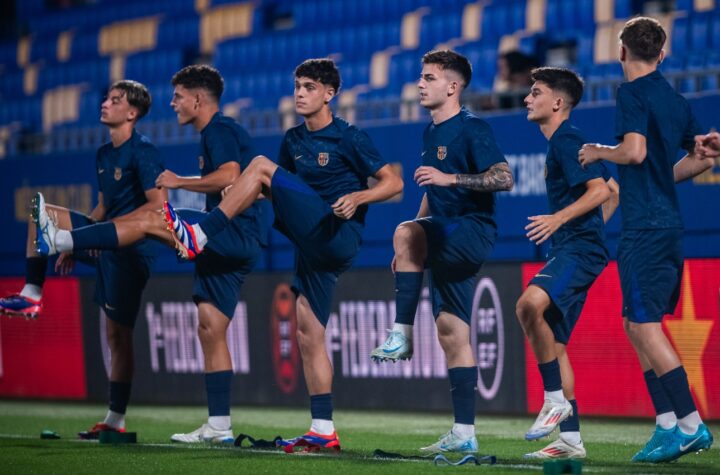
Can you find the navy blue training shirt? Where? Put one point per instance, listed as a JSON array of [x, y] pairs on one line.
[[463, 144], [650, 107], [124, 173], [222, 141], [333, 161], [565, 181]]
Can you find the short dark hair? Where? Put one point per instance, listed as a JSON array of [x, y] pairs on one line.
[[322, 70], [452, 61], [561, 80], [136, 94], [644, 37], [200, 76]]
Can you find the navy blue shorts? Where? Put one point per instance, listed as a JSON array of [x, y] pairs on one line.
[[650, 264], [220, 270], [566, 278], [325, 245], [457, 248], [121, 276]]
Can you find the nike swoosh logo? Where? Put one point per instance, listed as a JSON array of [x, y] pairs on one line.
[[298, 157], [542, 275], [683, 448], [392, 350], [109, 307], [423, 154], [101, 171]]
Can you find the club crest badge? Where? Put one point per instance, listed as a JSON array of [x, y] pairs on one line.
[[201, 162], [118, 173], [323, 158], [442, 152]]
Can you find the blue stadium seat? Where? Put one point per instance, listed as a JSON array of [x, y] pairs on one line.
[[699, 28], [711, 81], [715, 30], [680, 36], [624, 9]]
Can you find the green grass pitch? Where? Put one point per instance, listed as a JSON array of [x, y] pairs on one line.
[[610, 444]]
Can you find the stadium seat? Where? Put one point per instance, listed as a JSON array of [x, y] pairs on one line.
[[679, 42], [699, 28]]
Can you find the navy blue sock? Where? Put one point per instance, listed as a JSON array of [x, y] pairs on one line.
[[217, 386], [321, 406], [572, 423], [119, 396], [550, 373], [676, 387], [408, 286], [463, 382], [214, 222], [96, 236], [660, 400], [35, 269]]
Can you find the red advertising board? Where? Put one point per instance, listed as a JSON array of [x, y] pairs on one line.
[[44, 358], [608, 378]]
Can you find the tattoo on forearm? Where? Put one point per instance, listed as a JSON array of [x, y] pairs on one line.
[[497, 178]]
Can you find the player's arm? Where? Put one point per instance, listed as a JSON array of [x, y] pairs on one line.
[[611, 204], [155, 198], [496, 178], [708, 145], [543, 226], [213, 182], [389, 183], [691, 165], [631, 151], [98, 213]]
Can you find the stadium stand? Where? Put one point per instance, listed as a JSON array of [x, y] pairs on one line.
[[53, 75]]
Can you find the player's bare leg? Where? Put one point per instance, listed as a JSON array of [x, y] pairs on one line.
[[410, 245], [556, 408], [256, 178]]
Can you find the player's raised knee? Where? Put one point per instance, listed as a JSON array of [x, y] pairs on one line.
[[408, 237]]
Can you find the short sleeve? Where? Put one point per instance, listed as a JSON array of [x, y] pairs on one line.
[[285, 159], [484, 150], [364, 156], [225, 145], [150, 165], [566, 150], [631, 113]]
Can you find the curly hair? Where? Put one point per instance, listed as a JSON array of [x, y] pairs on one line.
[[200, 76], [322, 70]]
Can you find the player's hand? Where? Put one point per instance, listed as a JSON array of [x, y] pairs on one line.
[[225, 191], [167, 179], [345, 206], [542, 227], [708, 146], [65, 263], [432, 176], [590, 153]]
